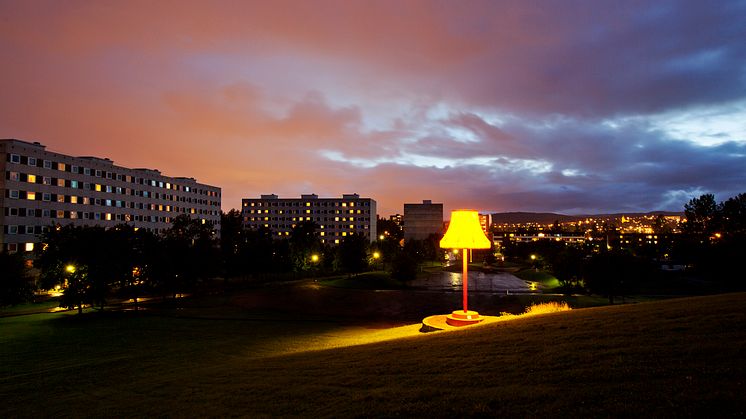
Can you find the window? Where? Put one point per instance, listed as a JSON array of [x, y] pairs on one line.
[[45, 213], [109, 175], [29, 229], [15, 158], [29, 247], [73, 199], [14, 176], [61, 182], [46, 180], [46, 197], [86, 171], [12, 229], [12, 247], [74, 184], [13, 194], [98, 187], [74, 169], [31, 196], [98, 173], [61, 167], [47, 164]]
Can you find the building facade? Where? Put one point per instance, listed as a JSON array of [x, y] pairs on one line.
[[336, 218], [40, 188], [422, 220]]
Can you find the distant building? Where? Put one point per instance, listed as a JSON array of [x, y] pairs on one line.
[[422, 220], [336, 218], [40, 188]]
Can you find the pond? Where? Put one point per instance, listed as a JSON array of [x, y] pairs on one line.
[[496, 282]]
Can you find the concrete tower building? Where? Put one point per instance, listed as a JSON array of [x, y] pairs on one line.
[[422, 220]]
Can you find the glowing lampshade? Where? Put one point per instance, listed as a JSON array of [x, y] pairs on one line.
[[465, 232]]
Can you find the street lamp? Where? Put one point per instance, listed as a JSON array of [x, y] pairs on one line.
[[70, 268], [314, 258], [464, 232]]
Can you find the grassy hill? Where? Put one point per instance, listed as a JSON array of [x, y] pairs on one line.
[[683, 357]]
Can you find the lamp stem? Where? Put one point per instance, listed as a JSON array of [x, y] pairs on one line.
[[465, 277]]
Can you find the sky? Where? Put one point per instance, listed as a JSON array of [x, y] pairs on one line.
[[564, 106]]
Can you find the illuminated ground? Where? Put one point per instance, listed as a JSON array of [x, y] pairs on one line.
[[682, 357]]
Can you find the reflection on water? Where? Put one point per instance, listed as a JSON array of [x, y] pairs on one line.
[[478, 281]]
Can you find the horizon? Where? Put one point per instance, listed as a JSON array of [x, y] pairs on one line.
[[573, 108]]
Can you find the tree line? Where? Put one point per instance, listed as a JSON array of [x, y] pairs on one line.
[[90, 264], [710, 248]]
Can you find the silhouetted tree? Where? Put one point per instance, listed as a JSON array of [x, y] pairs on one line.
[[15, 287], [353, 254], [304, 242], [701, 214]]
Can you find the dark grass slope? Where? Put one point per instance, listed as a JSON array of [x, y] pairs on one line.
[[684, 357]]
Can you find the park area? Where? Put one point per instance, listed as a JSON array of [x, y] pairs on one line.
[[312, 350]]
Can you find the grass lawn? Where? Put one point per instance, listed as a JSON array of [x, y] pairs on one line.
[[681, 357], [547, 280]]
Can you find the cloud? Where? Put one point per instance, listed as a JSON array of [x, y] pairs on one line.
[[553, 106]]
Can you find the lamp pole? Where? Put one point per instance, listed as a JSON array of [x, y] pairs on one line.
[[465, 278]]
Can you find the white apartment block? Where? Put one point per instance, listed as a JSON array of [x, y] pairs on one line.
[[40, 188], [336, 218]]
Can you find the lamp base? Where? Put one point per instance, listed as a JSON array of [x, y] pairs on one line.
[[463, 318]]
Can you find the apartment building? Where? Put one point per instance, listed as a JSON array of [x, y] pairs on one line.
[[41, 188], [336, 218]]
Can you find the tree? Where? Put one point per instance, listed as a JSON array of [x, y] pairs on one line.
[[188, 253], [353, 254], [567, 267], [406, 263], [231, 240], [15, 287], [701, 214], [304, 242]]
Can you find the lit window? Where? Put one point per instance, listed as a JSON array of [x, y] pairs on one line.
[[14, 176], [108, 216], [73, 199], [31, 179], [61, 167], [31, 196], [61, 182], [29, 247], [98, 187]]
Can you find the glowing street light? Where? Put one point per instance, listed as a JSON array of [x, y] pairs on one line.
[[464, 232], [376, 255], [314, 258], [70, 268]]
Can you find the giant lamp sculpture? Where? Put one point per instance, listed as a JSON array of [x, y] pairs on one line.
[[464, 232]]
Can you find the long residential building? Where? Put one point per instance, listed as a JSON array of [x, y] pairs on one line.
[[41, 188], [336, 218]]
